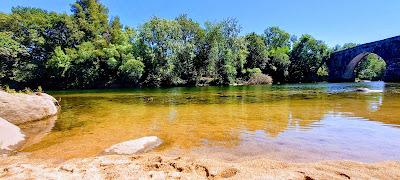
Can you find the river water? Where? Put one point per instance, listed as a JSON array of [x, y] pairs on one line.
[[295, 122]]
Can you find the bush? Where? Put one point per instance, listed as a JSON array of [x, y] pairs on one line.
[[26, 91], [7, 89], [259, 78], [39, 89], [253, 71]]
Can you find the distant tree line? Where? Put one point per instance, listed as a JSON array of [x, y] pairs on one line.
[[87, 49]]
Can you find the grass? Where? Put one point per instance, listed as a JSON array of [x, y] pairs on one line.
[[26, 90]]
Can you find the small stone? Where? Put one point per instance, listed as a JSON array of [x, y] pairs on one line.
[[157, 175], [140, 145], [175, 175]]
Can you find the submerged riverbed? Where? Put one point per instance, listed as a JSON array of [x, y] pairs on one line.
[[296, 122]]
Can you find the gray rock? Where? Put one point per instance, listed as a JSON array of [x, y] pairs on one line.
[[140, 145], [20, 108]]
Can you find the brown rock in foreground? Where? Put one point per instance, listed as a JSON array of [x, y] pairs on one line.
[[153, 166], [18, 108]]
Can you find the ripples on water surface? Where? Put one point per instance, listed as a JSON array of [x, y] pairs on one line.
[[299, 122]]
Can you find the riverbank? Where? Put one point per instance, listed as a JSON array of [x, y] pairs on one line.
[[159, 166]]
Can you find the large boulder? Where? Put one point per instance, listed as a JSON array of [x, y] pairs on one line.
[[10, 135], [19, 108], [140, 145]]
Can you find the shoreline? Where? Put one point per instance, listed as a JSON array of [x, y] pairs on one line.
[[180, 165], [160, 166]]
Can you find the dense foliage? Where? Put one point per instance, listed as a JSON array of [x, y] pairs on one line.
[[372, 68], [87, 49]]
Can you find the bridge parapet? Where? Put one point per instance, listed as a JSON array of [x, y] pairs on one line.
[[342, 63]]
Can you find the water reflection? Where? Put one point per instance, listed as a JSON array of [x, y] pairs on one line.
[[340, 137], [323, 120], [36, 130]]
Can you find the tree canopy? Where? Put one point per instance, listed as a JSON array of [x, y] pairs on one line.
[[87, 49]]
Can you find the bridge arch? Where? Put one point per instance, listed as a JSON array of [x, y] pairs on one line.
[[350, 71], [341, 64]]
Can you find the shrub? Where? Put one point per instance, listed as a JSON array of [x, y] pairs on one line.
[[253, 71], [26, 91], [39, 89], [259, 78], [7, 89]]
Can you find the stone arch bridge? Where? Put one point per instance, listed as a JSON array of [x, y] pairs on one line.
[[341, 64]]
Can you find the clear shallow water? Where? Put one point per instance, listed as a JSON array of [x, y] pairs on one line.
[[299, 122]]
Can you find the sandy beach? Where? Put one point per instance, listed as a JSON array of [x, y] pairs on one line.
[[160, 166]]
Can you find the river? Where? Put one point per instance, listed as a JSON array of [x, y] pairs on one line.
[[294, 122]]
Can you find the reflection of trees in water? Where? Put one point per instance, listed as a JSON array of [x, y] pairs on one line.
[[108, 121], [378, 107], [385, 108]]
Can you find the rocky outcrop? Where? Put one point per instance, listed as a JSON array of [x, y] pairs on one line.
[[18, 108], [10, 136], [140, 145]]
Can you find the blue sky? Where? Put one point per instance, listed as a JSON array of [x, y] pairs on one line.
[[333, 21]]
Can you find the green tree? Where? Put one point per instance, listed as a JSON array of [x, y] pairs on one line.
[[122, 60], [86, 49], [28, 27], [278, 43], [279, 64], [189, 44], [14, 64], [371, 67], [91, 17], [158, 48], [307, 57], [258, 54], [232, 59], [227, 51], [276, 38], [345, 46], [257, 60], [101, 53]]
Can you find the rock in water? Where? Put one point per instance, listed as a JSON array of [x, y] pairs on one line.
[[366, 90], [361, 90], [20, 108], [10, 135], [140, 145]]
